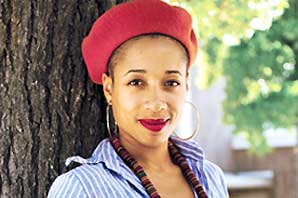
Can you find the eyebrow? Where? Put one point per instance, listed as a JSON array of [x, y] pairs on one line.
[[173, 72], [144, 71], [135, 71]]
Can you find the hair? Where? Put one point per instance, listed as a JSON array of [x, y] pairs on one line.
[[115, 57]]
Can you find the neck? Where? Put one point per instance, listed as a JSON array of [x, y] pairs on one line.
[[144, 158], [150, 157]]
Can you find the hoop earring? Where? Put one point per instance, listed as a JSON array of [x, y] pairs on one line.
[[110, 132], [197, 119]]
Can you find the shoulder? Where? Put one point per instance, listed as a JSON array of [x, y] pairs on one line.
[[87, 180], [209, 174], [67, 185], [215, 179], [101, 175], [213, 172]]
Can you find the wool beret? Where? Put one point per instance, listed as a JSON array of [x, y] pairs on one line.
[[130, 19]]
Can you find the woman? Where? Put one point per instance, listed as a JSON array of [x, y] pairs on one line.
[[141, 52]]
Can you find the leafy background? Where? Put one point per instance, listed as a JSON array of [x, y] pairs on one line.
[[253, 44]]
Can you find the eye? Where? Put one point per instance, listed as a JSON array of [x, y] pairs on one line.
[[172, 83], [135, 82]]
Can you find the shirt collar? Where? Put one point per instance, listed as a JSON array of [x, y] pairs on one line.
[[105, 153], [189, 149]]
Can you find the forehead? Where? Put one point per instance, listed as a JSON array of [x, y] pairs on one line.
[[156, 53], [156, 42]]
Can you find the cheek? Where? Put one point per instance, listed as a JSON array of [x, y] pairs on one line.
[[179, 100], [125, 103], [179, 95]]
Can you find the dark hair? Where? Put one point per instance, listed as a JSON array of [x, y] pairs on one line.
[[119, 50]]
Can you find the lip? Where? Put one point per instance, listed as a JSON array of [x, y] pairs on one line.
[[154, 125]]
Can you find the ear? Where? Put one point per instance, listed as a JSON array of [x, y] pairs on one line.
[[107, 87], [187, 86], [187, 81]]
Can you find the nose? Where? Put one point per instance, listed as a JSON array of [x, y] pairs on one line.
[[156, 105], [155, 101]]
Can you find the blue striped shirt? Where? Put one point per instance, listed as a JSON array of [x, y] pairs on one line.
[[106, 175]]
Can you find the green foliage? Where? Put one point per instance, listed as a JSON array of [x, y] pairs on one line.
[[262, 81], [219, 23], [254, 44]]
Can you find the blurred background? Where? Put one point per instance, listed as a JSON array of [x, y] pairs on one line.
[[245, 86]]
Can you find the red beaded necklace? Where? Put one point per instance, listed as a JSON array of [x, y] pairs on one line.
[[140, 173]]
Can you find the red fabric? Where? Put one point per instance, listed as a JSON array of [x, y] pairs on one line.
[[131, 19]]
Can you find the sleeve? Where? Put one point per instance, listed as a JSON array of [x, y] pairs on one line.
[[67, 185], [216, 180]]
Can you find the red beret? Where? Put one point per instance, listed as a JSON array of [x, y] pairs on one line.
[[131, 19]]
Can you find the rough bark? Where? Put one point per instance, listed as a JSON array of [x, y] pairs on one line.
[[49, 108]]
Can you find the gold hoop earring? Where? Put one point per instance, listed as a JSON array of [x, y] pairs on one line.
[[115, 130], [197, 124]]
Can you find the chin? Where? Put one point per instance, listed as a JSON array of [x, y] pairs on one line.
[[156, 139]]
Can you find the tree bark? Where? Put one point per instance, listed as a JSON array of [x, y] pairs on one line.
[[49, 108]]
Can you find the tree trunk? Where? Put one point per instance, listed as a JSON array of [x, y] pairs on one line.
[[49, 108]]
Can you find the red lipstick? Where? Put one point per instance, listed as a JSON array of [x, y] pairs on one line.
[[153, 124]]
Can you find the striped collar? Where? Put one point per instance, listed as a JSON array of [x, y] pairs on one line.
[[105, 153]]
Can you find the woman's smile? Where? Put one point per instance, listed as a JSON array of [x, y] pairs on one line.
[[155, 125]]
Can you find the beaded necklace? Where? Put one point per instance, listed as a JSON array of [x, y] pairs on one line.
[[140, 173]]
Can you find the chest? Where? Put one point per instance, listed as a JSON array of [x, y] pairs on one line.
[[171, 185]]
